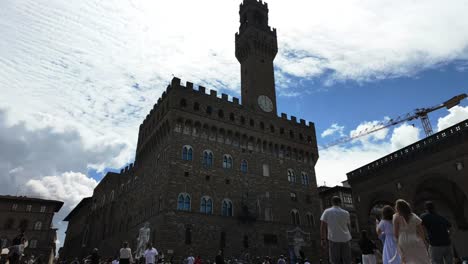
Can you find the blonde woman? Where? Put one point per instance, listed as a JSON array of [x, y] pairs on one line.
[[409, 234]]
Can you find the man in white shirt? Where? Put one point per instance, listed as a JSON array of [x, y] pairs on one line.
[[334, 227], [150, 254], [190, 259]]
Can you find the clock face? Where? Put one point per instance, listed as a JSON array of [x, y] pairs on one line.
[[265, 103]]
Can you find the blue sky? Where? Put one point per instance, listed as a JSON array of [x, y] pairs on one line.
[[70, 109]]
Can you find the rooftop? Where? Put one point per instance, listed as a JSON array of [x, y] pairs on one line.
[[58, 204]]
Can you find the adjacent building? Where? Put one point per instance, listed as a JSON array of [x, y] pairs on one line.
[[211, 172], [346, 195], [33, 217], [434, 168]]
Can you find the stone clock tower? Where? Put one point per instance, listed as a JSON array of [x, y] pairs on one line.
[[256, 48]]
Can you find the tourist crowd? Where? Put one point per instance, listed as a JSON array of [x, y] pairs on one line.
[[406, 238]]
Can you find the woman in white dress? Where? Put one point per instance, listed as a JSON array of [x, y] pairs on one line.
[[385, 231], [410, 235]]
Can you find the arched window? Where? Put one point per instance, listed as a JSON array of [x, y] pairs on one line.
[[209, 110], [220, 113], [295, 220], [242, 119], [227, 208], [262, 125], [196, 106], [183, 202], [305, 178], [244, 166], [207, 158], [206, 206], [231, 117], [38, 225], [227, 161], [187, 153], [291, 176], [183, 102], [252, 122]]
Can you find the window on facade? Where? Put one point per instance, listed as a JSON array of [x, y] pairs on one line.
[[281, 131], [43, 209], [183, 202], [14, 207], [231, 117], [245, 241], [187, 153], [188, 236], [291, 176], [28, 208], [266, 170], [206, 206], [262, 125], [207, 158], [244, 166], [270, 239], [222, 240], [209, 110], [227, 208], [227, 161], [293, 196], [196, 106], [252, 122], [3, 243], [183, 103], [38, 225], [242, 119], [347, 199], [305, 178], [310, 219], [33, 243], [220, 113], [295, 220], [268, 214], [112, 195]]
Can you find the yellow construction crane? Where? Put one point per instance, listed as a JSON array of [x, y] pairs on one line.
[[420, 113]]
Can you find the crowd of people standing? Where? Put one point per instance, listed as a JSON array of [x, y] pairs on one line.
[[406, 237]]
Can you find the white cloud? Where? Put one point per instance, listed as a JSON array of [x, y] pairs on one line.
[[336, 161], [69, 187], [99, 66], [334, 128], [456, 115]]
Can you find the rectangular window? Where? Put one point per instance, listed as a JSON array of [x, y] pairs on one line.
[[43, 209], [268, 214], [28, 208], [270, 239], [33, 244], [266, 170]]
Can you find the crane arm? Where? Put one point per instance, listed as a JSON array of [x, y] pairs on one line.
[[420, 113]]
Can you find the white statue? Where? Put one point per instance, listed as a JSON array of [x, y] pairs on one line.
[[298, 242], [142, 240]]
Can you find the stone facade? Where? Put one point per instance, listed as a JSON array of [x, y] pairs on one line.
[[33, 217], [211, 173], [434, 168]]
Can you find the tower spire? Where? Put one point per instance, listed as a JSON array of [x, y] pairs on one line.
[[256, 48]]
